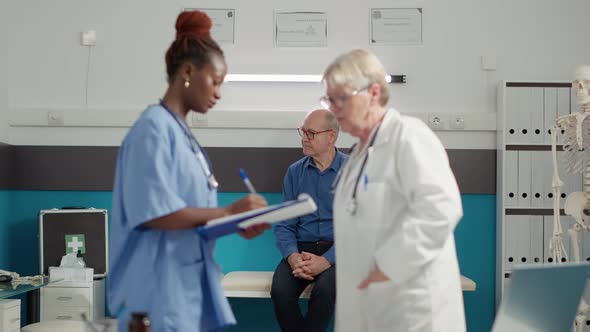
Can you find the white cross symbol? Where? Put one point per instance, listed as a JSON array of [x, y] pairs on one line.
[[75, 244]]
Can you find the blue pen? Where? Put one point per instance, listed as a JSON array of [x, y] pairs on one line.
[[366, 181], [247, 182]]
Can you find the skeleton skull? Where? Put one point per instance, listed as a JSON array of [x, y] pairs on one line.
[[582, 85]]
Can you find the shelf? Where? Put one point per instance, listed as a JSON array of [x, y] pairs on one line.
[[527, 120], [516, 211], [508, 275], [521, 211], [539, 84], [531, 147]]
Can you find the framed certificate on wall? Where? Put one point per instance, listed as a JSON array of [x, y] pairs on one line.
[[223, 21], [396, 26], [301, 29]]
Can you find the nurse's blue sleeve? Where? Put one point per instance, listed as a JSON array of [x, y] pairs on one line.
[[285, 232], [149, 183]]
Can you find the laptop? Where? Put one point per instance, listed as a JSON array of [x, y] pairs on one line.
[[542, 298]]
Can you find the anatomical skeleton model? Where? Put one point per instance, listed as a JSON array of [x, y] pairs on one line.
[[576, 147]]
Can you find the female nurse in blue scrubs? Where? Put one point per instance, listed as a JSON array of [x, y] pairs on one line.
[[164, 189]]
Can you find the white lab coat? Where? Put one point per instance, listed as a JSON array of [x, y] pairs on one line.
[[408, 205]]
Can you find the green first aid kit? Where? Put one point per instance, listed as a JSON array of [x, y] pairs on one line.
[[79, 231]]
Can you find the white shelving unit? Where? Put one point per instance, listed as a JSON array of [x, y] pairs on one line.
[[526, 113], [9, 315], [67, 300]]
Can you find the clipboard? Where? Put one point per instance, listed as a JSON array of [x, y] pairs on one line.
[[215, 228]]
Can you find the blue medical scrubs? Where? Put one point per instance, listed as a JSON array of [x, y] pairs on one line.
[[171, 275]]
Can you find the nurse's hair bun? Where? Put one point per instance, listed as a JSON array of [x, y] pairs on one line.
[[193, 43], [193, 24]]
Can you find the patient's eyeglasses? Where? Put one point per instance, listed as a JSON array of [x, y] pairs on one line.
[[327, 101], [310, 134]]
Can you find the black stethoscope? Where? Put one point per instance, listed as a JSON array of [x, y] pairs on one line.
[[195, 148], [352, 205]]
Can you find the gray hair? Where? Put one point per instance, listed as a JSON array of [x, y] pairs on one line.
[[331, 122], [358, 69]]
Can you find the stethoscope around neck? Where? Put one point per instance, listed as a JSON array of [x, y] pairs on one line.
[[352, 205], [195, 148]]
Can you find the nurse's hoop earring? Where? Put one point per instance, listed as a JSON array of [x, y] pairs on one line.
[[187, 84]]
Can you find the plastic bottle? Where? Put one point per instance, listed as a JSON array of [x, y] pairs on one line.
[[81, 261]]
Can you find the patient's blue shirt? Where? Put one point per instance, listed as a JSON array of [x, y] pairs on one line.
[[304, 177]]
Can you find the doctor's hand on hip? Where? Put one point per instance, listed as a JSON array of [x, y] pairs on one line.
[[250, 202], [375, 276]]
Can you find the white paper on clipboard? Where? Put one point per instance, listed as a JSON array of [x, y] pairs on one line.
[[270, 215]]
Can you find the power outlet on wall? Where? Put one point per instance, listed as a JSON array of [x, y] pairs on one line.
[[457, 121], [55, 118], [438, 121]]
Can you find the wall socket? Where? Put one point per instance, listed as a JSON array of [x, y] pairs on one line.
[[438, 121], [457, 121], [55, 118]]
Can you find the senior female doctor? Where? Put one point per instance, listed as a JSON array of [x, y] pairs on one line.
[[165, 189], [395, 208]]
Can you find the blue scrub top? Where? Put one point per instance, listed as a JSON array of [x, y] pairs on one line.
[[171, 275]]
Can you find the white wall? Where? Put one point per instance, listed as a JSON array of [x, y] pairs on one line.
[[48, 69], [4, 110]]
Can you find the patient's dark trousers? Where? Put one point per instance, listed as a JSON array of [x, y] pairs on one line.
[[286, 290]]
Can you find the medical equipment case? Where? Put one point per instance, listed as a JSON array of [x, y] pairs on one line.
[[81, 230]]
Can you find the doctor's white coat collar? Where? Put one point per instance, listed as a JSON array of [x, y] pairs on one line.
[[390, 119]]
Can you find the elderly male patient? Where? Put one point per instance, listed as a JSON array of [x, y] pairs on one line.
[[306, 243]]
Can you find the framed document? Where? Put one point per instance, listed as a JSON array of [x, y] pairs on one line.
[[301, 29], [222, 29], [396, 26]]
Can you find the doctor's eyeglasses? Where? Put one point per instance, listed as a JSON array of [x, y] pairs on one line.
[[310, 134], [327, 101]]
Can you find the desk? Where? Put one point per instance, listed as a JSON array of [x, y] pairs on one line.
[[32, 290]]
